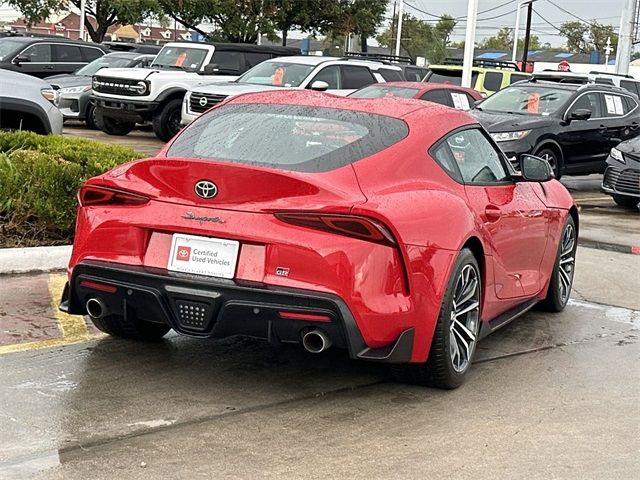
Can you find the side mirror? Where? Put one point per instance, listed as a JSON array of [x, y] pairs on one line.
[[478, 102], [580, 114], [319, 86], [535, 169], [21, 59], [211, 69]]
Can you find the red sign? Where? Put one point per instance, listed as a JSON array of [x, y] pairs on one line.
[[564, 66], [183, 253]]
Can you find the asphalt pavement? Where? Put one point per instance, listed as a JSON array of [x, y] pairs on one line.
[[551, 396]]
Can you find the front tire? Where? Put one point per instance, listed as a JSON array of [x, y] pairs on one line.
[[112, 126], [131, 328], [553, 159], [627, 202], [90, 118], [456, 334], [563, 269], [166, 123]]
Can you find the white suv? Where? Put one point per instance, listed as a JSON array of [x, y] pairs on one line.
[[627, 82], [126, 96], [339, 76]]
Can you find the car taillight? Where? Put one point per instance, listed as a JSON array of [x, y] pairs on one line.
[[350, 225], [89, 196]]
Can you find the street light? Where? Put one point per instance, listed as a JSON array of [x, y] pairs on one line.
[[521, 4]]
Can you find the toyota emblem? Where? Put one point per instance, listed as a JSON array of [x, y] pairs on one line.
[[203, 101], [206, 189]]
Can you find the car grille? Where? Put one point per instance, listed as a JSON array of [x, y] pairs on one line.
[[201, 102], [116, 86], [624, 181]]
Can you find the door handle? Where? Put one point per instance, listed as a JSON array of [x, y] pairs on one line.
[[48, 67], [634, 126], [492, 213], [603, 129]]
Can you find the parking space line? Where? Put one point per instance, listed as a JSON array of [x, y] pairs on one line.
[[72, 327]]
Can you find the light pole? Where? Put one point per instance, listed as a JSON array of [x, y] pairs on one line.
[[399, 32], [83, 7], [516, 30], [469, 46]]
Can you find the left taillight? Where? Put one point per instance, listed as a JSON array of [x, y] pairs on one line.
[[90, 196], [355, 226]]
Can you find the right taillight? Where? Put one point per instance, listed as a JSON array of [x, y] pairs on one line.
[[355, 226], [90, 196]]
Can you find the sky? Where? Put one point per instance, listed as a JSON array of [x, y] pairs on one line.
[[603, 11]]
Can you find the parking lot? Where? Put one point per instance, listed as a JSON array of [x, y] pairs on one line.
[[548, 397]]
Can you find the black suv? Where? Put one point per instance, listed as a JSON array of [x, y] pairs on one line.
[[46, 56], [573, 126]]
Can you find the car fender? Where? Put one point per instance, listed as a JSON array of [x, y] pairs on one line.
[[546, 141], [27, 106], [171, 92]]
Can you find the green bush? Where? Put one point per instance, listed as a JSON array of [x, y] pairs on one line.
[[39, 179]]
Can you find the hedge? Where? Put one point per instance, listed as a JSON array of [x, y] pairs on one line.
[[39, 179]]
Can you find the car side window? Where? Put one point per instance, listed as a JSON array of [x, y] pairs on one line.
[[227, 61], [476, 158], [331, 75], [629, 104], [254, 58], [356, 77], [615, 105], [439, 95], [588, 101], [40, 52], [413, 74], [443, 156], [390, 75], [67, 54], [492, 81], [629, 85], [517, 78], [91, 53]]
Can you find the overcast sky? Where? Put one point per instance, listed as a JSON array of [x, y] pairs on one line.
[[603, 11]]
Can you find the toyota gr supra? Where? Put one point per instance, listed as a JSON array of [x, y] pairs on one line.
[[393, 228]]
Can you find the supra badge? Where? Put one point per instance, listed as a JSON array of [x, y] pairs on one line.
[[206, 189]]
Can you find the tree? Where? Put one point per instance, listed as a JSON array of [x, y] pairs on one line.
[[419, 38], [587, 37], [361, 17], [104, 13], [293, 14], [503, 41]]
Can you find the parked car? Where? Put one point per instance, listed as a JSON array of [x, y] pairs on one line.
[[442, 93], [603, 78], [46, 56], [297, 216], [26, 103], [622, 177], [410, 72], [487, 76], [572, 126], [339, 76], [74, 90], [133, 47], [125, 96]]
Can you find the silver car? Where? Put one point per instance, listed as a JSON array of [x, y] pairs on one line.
[[26, 103]]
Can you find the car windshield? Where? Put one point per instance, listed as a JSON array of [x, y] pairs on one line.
[[453, 77], [287, 137], [376, 91], [182, 58], [9, 47], [277, 74], [529, 100], [104, 62]]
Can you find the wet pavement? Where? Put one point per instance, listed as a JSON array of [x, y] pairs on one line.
[[549, 396]]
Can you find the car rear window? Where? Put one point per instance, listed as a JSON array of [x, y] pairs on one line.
[[287, 137], [376, 91], [453, 77], [390, 75]]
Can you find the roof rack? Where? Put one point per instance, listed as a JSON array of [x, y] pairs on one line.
[[485, 63], [596, 72], [378, 57]]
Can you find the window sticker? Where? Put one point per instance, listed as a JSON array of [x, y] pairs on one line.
[[611, 107], [617, 101], [460, 101]]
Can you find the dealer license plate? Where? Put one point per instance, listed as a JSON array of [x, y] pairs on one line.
[[214, 257]]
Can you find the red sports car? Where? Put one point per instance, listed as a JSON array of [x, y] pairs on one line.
[[443, 93], [393, 228]]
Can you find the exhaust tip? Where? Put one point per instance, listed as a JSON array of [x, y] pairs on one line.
[[316, 341], [96, 308]]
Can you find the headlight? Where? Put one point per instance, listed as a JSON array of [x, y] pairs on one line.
[[140, 88], [509, 136], [50, 94], [70, 90], [617, 155]]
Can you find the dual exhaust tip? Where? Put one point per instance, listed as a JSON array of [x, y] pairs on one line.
[[316, 341]]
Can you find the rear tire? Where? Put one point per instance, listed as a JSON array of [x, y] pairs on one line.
[[456, 334], [627, 202], [563, 269], [112, 126], [166, 123], [118, 326]]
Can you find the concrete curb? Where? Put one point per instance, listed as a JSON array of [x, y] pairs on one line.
[[611, 247], [34, 259]]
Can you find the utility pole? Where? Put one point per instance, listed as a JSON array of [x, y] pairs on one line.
[[469, 45], [393, 27], [399, 32], [515, 33], [625, 40], [83, 7], [527, 34]]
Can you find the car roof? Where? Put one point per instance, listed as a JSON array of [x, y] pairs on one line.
[[572, 86], [316, 60], [53, 39], [478, 69], [131, 55]]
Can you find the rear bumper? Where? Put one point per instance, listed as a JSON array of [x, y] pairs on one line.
[[223, 307]]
